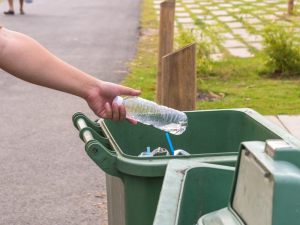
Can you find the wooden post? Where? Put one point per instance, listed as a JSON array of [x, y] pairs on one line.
[[179, 79], [166, 38], [290, 7]]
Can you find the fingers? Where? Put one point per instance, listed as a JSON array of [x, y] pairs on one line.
[[108, 111], [112, 110], [118, 112], [122, 112], [132, 121]]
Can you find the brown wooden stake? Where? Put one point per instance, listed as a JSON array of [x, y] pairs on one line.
[[290, 7], [179, 79], [166, 38]]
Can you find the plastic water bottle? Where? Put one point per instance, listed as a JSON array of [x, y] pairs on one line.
[[150, 113]]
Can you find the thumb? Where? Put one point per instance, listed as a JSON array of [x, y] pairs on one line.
[[129, 91]]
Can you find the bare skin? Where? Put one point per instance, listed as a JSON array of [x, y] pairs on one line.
[[26, 59], [11, 6]]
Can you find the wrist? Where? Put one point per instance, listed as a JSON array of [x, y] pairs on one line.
[[92, 90]]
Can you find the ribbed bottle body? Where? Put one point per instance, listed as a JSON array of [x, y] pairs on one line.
[[150, 113]]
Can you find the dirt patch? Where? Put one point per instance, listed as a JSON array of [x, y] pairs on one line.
[[209, 96]]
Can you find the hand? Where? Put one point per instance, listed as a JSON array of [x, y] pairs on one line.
[[100, 100]]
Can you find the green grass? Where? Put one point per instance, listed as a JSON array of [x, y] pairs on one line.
[[237, 79], [143, 68]]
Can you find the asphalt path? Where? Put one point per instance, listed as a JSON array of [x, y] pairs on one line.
[[45, 175]]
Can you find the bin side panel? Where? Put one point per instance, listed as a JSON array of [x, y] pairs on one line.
[[255, 131], [141, 199], [115, 200]]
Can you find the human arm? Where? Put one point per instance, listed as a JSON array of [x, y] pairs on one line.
[[26, 59]]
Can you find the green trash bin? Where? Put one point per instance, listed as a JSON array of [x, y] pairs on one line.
[[263, 191], [134, 183]]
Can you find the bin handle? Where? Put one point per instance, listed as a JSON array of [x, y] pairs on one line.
[[85, 134], [89, 130], [86, 123], [95, 144]]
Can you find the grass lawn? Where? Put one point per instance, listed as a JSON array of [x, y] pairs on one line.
[[235, 81]]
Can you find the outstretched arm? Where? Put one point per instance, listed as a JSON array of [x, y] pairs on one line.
[[26, 59]]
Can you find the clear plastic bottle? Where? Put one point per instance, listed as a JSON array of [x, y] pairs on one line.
[[150, 113]]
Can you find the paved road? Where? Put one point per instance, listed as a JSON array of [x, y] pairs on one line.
[[45, 176], [290, 123]]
